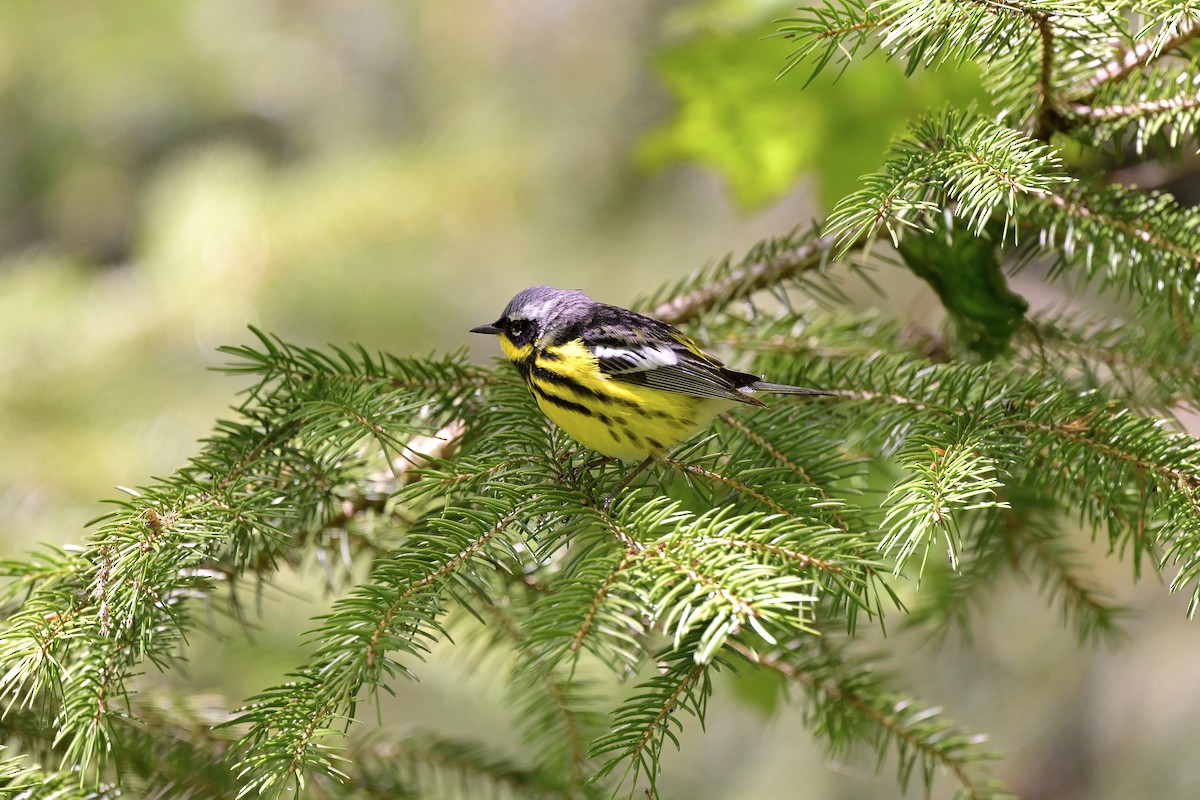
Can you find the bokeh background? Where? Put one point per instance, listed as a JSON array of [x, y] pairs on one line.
[[390, 172]]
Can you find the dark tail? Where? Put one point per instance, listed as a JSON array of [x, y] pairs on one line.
[[779, 388]]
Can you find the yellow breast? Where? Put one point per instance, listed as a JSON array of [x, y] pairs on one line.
[[615, 418]]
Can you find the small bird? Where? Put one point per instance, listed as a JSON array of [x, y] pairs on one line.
[[623, 384]]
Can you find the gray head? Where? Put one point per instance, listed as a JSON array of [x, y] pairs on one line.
[[542, 314]]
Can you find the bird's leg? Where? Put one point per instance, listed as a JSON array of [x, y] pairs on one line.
[[595, 462], [633, 473], [576, 473]]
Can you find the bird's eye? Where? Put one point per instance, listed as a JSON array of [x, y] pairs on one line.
[[520, 331]]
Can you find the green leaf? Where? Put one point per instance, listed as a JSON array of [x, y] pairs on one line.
[[964, 270]]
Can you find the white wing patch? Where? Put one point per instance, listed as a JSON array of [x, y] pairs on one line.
[[637, 359]]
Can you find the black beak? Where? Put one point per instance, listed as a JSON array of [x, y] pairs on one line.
[[489, 328]]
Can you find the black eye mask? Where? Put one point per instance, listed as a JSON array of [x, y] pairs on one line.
[[520, 331]]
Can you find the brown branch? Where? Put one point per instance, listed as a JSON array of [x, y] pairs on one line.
[[802, 559], [1048, 119], [1073, 209], [781, 458], [731, 483], [1134, 110], [1127, 60], [747, 278]]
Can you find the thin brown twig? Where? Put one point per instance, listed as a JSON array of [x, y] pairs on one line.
[[782, 458], [598, 598], [656, 725], [1073, 209], [1134, 110], [746, 279], [731, 483], [1128, 59], [1047, 119]]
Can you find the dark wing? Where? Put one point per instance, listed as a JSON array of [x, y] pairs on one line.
[[647, 352]]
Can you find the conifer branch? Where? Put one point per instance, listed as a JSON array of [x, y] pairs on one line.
[[918, 735], [1046, 117], [922, 33], [650, 718], [1156, 357], [619, 532], [753, 536], [593, 608], [972, 167], [823, 30], [779, 457], [289, 725], [1141, 244], [1084, 432], [1093, 614], [800, 560], [27, 781], [732, 483], [657, 727], [1156, 109], [943, 483], [426, 765], [568, 717], [1183, 102], [547, 704], [768, 265], [1138, 55]]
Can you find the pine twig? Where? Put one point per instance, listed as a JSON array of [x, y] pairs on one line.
[[1138, 55], [862, 707], [1132, 111], [747, 279], [1047, 119]]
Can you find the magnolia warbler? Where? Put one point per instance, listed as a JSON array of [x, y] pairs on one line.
[[623, 384]]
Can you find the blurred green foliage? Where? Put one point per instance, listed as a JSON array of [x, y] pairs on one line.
[[763, 135]]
